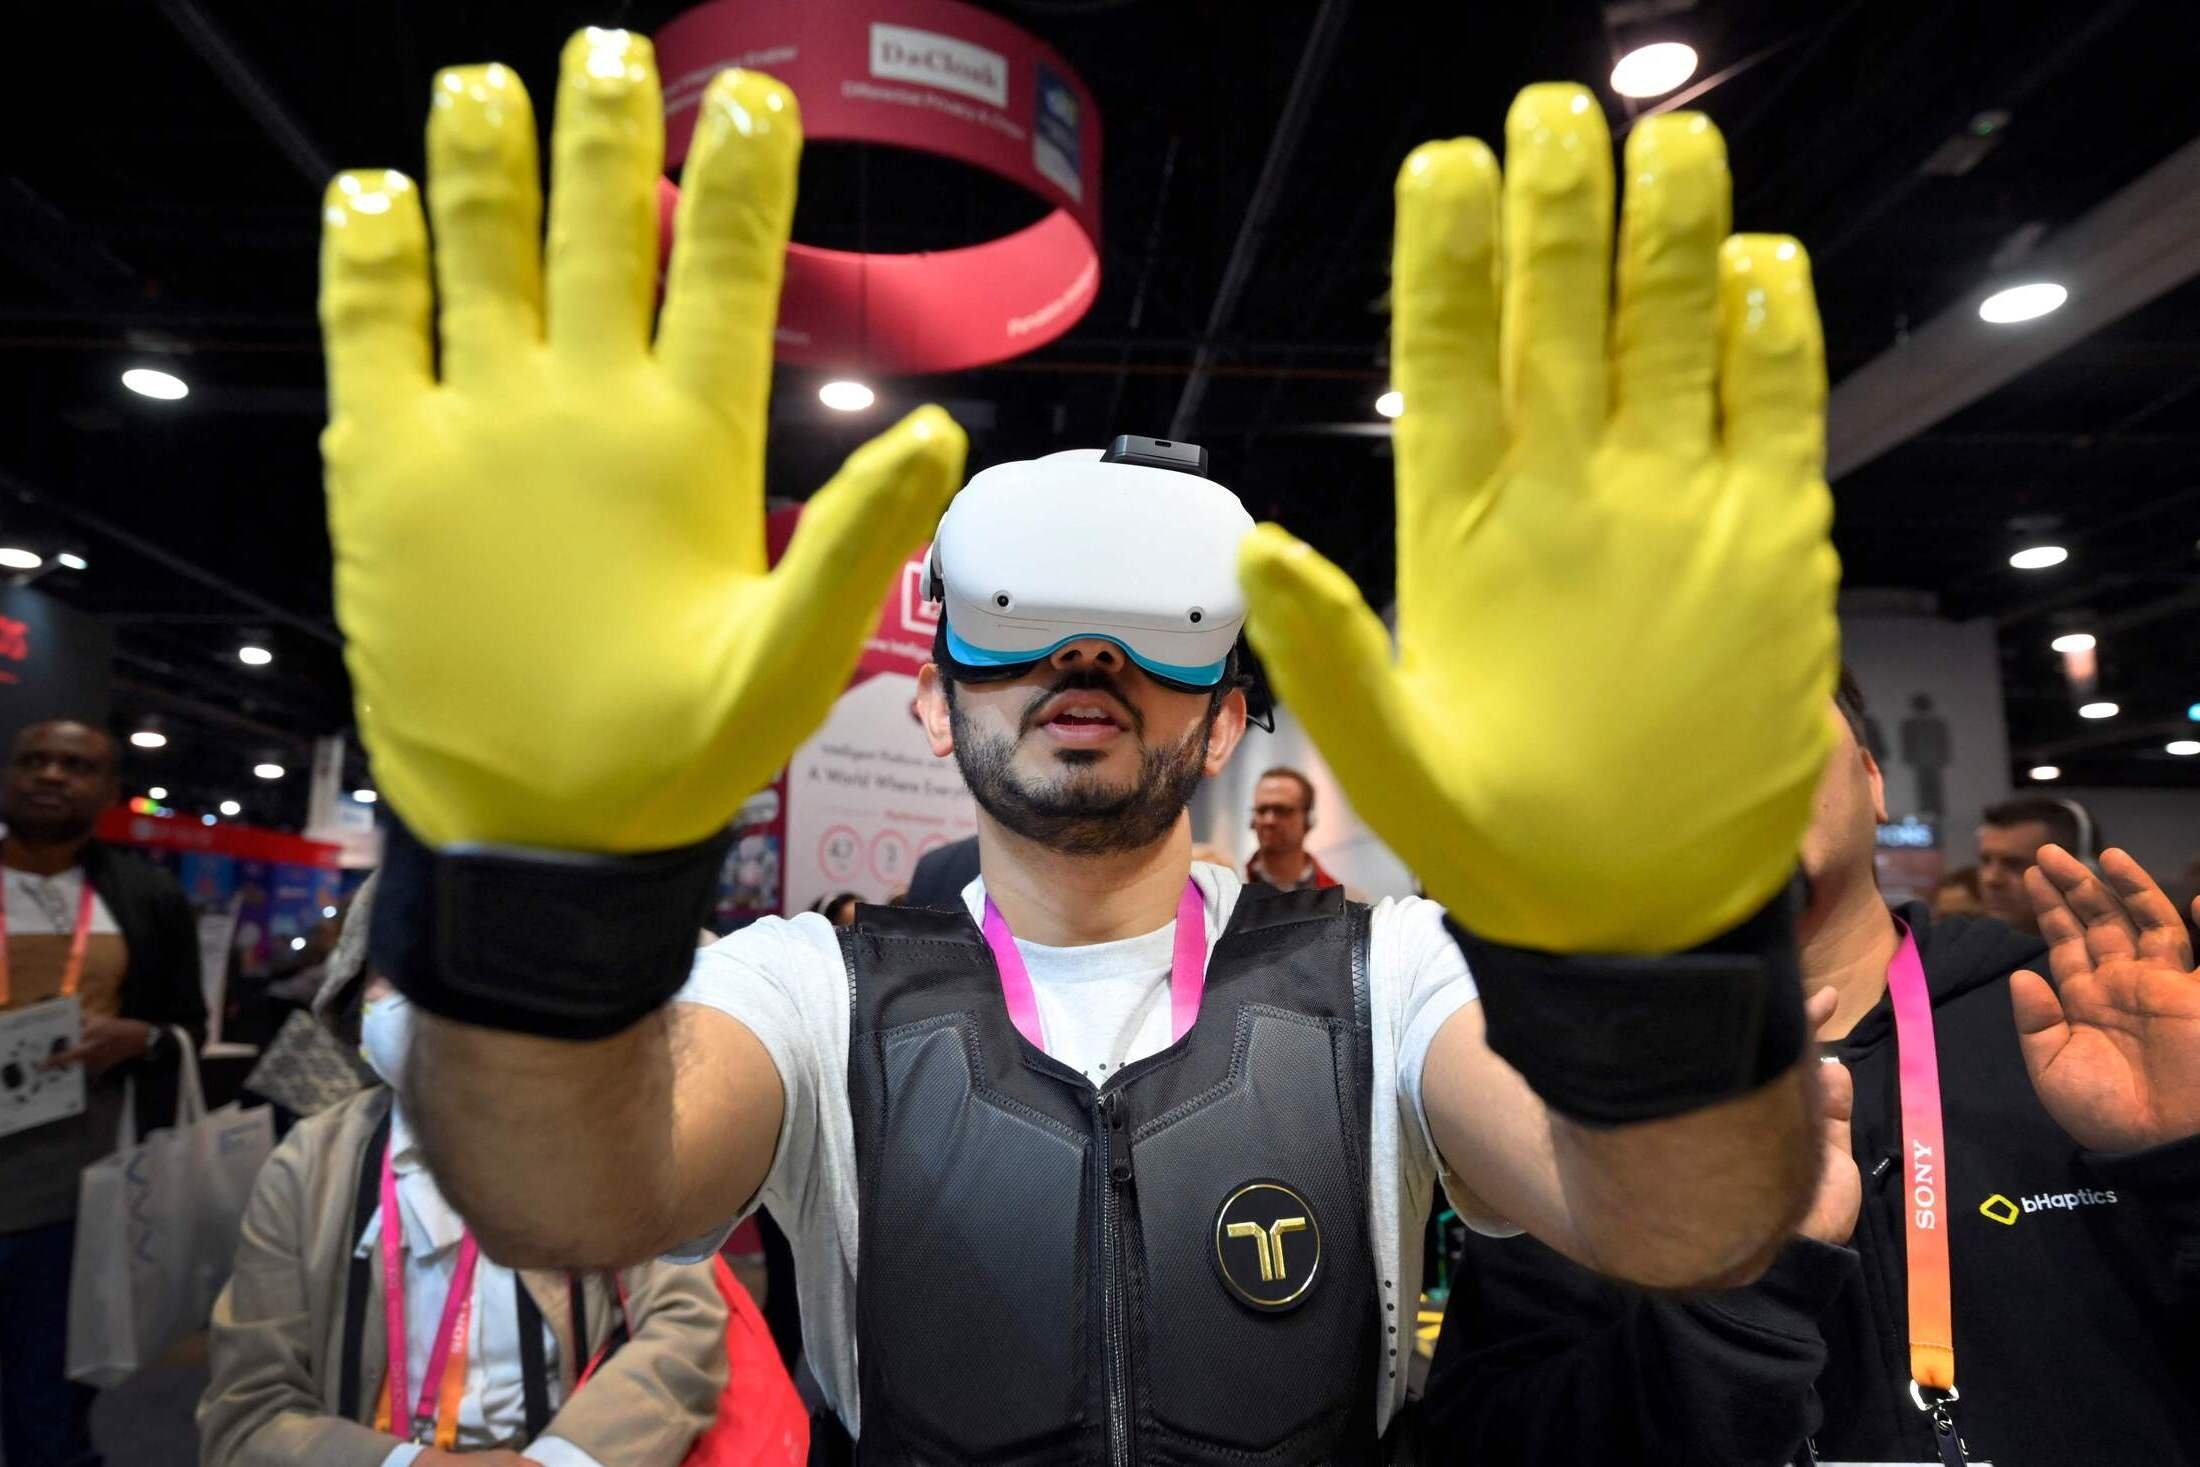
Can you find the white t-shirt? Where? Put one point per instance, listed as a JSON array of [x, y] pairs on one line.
[[1103, 1006]]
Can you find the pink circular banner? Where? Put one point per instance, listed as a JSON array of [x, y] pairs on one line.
[[941, 77]]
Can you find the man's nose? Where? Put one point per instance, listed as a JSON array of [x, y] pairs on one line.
[[1087, 652]]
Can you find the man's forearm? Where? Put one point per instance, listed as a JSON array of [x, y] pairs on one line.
[[1700, 1200], [557, 1153]]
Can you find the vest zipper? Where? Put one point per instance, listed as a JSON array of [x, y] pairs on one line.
[[1115, 1175]]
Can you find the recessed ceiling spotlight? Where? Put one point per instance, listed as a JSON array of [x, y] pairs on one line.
[[2039, 557], [2182, 748], [2073, 642], [152, 382], [2045, 772], [1654, 70], [846, 397], [1391, 403], [2022, 303], [2103, 709]]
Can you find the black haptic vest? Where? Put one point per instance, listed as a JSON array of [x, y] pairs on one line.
[[1173, 1270]]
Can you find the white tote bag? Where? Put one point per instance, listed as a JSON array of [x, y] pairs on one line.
[[156, 1229]]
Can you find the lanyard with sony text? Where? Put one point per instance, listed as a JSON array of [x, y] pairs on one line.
[[1187, 970], [1925, 1209], [442, 1391], [74, 972]]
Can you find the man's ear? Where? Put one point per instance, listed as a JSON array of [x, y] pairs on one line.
[[1878, 783], [932, 710], [1224, 731]]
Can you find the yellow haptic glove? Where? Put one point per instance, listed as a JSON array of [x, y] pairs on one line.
[[1604, 719], [549, 538]]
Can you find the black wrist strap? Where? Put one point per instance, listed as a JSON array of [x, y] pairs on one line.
[[1610, 1040], [563, 944]]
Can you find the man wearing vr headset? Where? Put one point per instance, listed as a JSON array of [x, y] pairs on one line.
[[1120, 1161]]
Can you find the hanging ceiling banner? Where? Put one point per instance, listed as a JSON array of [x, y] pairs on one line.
[[939, 77]]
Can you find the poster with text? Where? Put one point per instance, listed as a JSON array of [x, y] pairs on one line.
[[864, 795]]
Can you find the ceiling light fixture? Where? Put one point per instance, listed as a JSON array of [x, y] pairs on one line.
[[230, 808], [14, 557], [152, 382], [1391, 403], [364, 797], [252, 656], [2182, 748], [149, 738], [2045, 772], [1654, 70], [268, 771], [2022, 303], [157, 792], [2103, 709], [69, 560], [206, 820], [2039, 557], [328, 911], [2073, 642], [846, 397]]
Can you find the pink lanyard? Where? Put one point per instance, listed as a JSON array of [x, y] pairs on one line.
[[73, 973], [1925, 1187], [457, 1307], [1187, 972]]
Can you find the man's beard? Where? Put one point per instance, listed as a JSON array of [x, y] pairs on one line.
[[49, 830], [1076, 813]]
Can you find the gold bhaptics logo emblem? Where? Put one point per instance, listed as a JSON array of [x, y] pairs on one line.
[[2000, 1209], [1268, 1245]]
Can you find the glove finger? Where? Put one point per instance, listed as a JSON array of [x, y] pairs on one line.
[[1558, 279], [607, 152], [1772, 367], [1444, 362], [855, 532], [1675, 214], [729, 250], [374, 291], [486, 203], [1329, 658]]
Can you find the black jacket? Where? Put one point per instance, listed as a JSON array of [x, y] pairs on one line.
[[160, 985], [2077, 1324], [942, 873]]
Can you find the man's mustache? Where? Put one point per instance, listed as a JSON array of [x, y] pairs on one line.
[[1084, 680]]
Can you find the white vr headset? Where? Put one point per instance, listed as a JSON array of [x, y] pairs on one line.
[[1134, 546]]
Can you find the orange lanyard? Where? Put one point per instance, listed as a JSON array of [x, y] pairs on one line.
[[74, 972], [1925, 1211], [444, 1388]]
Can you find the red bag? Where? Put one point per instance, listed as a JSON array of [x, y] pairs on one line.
[[761, 1421]]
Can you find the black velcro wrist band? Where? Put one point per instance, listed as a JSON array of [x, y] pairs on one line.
[[565, 944], [1611, 1040]]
